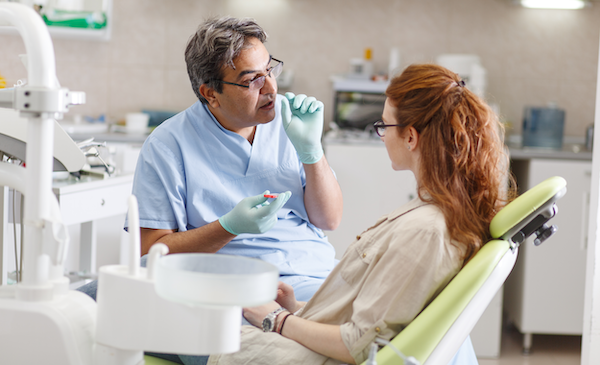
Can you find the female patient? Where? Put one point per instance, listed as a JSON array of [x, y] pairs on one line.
[[450, 139]]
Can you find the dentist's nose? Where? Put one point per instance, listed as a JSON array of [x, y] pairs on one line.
[[270, 86]]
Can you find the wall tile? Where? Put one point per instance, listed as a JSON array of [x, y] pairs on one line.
[[579, 111], [178, 90], [531, 56], [132, 88], [139, 32], [93, 80]]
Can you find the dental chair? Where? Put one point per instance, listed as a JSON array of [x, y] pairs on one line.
[[436, 334]]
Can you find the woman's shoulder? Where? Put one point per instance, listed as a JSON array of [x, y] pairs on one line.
[[423, 225], [419, 214]]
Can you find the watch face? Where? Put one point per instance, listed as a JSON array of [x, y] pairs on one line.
[[267, 324]]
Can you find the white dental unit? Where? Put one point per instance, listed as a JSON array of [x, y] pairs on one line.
[[183, 303]]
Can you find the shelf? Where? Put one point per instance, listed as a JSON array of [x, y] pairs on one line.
[[360, 86], [59, 32], [68, 33]]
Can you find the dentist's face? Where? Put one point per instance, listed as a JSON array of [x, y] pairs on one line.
[[239, 107]]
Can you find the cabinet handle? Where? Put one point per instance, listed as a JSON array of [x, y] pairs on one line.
[[585, 207]]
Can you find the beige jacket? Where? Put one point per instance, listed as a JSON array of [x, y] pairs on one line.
[[386, 277]]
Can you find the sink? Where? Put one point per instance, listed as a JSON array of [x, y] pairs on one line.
[[215, 280]]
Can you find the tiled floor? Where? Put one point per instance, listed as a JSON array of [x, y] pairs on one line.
[[546, 350]]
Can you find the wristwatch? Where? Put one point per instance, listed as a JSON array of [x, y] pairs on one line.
[[268, 324]]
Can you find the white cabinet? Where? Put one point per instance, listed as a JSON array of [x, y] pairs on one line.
[[545, 292], [369, 185], [86, 202]]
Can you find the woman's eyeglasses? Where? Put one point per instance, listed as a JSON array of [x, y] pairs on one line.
[[380, 125], [258, 82]]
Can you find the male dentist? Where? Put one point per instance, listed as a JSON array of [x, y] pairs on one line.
[[201, 176]]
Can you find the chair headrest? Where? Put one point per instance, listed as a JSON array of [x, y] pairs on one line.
[[527, 206]]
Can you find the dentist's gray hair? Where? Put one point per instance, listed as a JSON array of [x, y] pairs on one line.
[[214, 45]]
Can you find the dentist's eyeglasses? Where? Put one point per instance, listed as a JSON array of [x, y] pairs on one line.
[[258, 82], [380, 125]]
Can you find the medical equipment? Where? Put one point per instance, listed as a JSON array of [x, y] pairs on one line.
[[45, 323], [274, 196], [435, 335], [13, 136]]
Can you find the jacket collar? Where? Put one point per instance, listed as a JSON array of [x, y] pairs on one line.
[[408, 207]]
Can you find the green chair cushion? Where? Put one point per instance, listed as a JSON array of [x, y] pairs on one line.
[[423, 334], [526, 204], [151, 360]]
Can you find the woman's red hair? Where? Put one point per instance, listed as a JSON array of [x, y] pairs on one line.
[[463, 166]]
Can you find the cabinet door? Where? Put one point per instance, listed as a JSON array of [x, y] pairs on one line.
[[549, 279], [370, 188]]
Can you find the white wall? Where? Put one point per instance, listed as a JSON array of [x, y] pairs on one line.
[[532, 56]]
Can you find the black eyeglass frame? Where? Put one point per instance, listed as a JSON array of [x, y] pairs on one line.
[[379, 127], [263, 77]]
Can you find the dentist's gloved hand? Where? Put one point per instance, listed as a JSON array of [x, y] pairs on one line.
[[303, 125], [254, 214]]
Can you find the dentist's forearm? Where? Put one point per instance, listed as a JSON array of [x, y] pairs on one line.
[[322, 196], [209, 239]]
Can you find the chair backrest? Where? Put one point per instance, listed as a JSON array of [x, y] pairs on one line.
[[439, 330]]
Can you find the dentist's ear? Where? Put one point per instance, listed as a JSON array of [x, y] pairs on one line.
[[210, 95]]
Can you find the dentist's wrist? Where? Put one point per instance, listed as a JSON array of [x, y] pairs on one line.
[[311, 158], [226, 226]]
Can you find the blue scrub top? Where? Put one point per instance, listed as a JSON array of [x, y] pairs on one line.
[[191, 171]]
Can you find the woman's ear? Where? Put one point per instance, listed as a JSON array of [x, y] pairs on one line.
[[412, 138], [210, 95]]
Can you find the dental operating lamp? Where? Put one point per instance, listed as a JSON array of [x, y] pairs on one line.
[[181, 303]]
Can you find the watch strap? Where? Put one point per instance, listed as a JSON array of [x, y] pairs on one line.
[[271, 317]]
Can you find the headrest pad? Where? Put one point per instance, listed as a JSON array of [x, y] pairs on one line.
[[541, 195]]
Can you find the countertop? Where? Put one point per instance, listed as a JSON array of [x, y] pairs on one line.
[[133, 138], [101, 132], [570, 151]]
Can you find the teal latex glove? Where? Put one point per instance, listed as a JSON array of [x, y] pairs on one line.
[[303, 125], [254, 214]]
